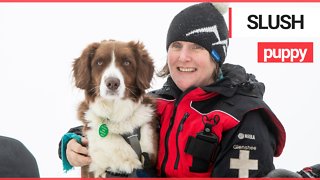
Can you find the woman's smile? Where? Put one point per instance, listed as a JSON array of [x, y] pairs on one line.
[[186, 69]]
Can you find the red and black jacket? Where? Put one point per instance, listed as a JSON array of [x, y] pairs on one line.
[[222, 130]]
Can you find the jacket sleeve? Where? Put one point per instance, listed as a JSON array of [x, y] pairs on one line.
[[77, 130], [247, 150]]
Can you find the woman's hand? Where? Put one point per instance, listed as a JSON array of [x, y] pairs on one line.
[[77, 154]]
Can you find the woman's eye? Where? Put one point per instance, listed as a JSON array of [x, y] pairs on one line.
[[196, 46], [176, 45]]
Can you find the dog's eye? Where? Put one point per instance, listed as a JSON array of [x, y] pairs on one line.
[[126, 63], [99, 62]]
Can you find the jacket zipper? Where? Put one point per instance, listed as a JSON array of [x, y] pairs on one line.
[[184, 118], [165, 158]]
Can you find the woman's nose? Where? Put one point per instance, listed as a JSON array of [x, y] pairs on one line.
[[185, 54]]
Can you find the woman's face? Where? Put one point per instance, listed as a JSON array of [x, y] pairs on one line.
[[190, 65]]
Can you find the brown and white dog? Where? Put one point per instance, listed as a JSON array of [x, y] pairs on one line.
[[114, 76]]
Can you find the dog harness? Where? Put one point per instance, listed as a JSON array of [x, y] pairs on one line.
[[133, 140]]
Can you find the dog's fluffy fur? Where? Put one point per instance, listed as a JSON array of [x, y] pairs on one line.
[[114, 76]]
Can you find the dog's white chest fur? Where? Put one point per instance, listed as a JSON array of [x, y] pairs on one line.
[[112, 152]]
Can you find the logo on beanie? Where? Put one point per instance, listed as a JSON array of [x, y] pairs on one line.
[[285, 52], [212, 29], [203, 30]]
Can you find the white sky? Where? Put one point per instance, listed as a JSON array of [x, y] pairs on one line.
[[39, 41]]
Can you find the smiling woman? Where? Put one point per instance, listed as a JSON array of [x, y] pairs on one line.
[[206, 104]]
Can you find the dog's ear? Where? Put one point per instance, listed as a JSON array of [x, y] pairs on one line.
[[145, 65], [82, 66]]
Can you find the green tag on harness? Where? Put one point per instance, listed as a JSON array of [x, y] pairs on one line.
[[103, 130]]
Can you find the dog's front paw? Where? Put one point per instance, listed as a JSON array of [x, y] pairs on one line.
[[129, 165], [99, 173]]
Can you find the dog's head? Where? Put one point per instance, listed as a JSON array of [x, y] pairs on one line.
[[113, 69]]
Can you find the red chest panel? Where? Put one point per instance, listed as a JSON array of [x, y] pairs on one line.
[[178, 122]]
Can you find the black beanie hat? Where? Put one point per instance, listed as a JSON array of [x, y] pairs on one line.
[[204, 25]]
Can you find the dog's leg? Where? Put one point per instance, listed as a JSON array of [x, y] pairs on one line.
[[85, 172]]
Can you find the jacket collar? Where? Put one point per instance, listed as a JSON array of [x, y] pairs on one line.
[[235, 80]]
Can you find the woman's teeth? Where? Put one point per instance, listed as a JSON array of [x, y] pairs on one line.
[[186, 69]]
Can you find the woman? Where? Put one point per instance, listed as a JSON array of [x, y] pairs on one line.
[[213, 121]]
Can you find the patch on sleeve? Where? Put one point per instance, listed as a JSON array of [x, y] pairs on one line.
[[243, 164]]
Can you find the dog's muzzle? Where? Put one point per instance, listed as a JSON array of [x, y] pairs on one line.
[[112, 83]]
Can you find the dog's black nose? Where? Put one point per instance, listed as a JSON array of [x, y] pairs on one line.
[[112, 83]]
